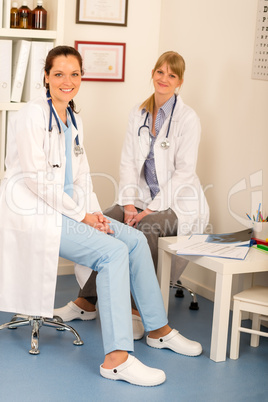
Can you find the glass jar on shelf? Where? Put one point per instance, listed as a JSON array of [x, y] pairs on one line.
[[39, 16], [25, 16], [14, 16]]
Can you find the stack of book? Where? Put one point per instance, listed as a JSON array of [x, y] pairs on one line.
[[22, 68]]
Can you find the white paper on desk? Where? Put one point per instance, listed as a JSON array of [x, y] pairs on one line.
[[199, 245]]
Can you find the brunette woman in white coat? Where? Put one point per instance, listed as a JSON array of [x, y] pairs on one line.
[[47, 209], [159, 191]]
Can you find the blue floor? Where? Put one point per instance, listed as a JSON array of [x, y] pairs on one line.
[[64, 372]]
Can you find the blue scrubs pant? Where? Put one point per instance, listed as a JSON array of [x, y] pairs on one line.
[[124, 263]]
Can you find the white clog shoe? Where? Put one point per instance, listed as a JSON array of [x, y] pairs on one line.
[[135, 372]]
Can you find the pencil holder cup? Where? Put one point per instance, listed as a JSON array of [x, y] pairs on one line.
[[260, 230]]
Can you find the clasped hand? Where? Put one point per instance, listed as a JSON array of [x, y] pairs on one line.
[[98, 221], [132, 217]]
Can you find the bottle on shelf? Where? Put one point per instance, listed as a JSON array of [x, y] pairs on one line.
[[39, 16], [14, 16], [25, 16]]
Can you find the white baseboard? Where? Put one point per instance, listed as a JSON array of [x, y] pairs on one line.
[[198, 288], [65, 267]]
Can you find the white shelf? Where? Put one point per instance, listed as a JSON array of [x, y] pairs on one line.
[[11, 106], [28, 34]]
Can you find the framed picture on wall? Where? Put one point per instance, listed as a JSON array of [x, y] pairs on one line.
[[104, 12], [103, 61]]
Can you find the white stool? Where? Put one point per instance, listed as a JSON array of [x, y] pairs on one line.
[[253, 300]]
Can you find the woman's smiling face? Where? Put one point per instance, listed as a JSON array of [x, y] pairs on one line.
[[165, 81], [64, 79]]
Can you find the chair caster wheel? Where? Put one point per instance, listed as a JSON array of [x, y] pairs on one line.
[[194, 306], [179, 293]]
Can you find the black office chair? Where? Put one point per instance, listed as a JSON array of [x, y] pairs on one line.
[[179, 293], [36, 322]]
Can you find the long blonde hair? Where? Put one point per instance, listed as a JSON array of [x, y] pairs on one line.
[[176, 64]]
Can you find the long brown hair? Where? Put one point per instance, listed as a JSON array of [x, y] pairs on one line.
[[176, 64], [62, 51]]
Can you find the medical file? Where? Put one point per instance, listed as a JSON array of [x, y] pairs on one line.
[[5, 69], [35, 71], [20, 56]]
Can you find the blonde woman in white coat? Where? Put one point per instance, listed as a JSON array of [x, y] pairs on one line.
[[159, 191], [44, 212]]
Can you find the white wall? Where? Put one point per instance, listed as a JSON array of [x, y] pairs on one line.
[[216, 39]]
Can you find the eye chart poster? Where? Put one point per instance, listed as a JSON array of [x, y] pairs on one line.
[[260, 57]]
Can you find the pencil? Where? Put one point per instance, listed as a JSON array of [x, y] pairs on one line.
[[258, 214]]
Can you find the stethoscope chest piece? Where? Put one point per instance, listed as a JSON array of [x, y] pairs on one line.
[[165, 144], [78, 150]]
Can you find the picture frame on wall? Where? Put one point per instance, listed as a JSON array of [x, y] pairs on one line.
[[103, 61], [103, 12]]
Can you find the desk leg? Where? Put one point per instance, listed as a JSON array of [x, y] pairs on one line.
[[220, 317], [163, 275]]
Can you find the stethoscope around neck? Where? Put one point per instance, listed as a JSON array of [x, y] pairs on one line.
[[77, 149], [164, 144]]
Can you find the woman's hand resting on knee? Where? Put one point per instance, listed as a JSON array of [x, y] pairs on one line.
[[138, 217], [98, 221]]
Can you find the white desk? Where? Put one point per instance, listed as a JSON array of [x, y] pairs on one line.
[[225, 268]]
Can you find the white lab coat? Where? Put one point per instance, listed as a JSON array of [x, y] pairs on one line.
[[180, 188], [32, 202]]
